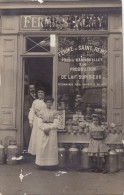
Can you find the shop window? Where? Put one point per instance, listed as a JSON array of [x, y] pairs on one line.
[[38, 44], [82, 77]]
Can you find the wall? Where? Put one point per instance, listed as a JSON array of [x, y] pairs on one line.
[[115, 67], [11, 75], [8, 73]]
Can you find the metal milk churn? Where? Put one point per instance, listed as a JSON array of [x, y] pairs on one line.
[[85, 160], [112, 160], [12, 153], [120, 153], [61, 156], [2, 153], [73, 157]]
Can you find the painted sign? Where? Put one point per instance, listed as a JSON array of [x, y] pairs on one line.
[[82, 75], [72, 22]]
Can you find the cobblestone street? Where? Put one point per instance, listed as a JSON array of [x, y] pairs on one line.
[[40, 182]]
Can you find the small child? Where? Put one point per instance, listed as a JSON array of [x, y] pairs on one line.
[[97, 149]]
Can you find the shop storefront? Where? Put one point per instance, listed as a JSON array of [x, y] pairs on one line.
[[74, 51]]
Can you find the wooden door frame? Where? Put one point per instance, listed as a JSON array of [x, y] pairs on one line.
[[20, 84]]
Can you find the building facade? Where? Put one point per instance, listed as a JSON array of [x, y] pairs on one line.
[[74, 49]]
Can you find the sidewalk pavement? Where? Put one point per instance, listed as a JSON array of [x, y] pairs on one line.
[[41, 182]]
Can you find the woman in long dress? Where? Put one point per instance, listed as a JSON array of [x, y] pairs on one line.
[[47, 146], [38, 105]]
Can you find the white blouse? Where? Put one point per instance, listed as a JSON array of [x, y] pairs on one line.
[[37, 106]]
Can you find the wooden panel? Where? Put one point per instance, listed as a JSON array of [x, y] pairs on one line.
[[8, 82], [110, 82], [8, 45], [10, 24], [117, 117], [115, 23], [0, 74], [0, 24], [6, 117], [117, 44], [117, 81]]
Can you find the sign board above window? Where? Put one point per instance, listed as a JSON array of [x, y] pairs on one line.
[[75, 22]]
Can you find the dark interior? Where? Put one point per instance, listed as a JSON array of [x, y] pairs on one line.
[[39, 71]]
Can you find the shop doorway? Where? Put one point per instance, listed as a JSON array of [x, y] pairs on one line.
[[38, 71]]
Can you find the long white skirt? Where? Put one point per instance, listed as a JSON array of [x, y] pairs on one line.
[[33, 138], [47, 148]]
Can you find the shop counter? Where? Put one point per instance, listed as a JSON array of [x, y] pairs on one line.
[[64, 137]]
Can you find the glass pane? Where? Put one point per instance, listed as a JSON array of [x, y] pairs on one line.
[[37, 44], [82, 76]]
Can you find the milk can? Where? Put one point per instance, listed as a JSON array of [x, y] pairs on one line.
[[61, 156], [112, 160], [2, 153], [12, 153], [73, 157], [120, 154], [85, 159]]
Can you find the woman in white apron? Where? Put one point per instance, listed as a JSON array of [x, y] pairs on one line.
[[47, 146], [38, 106]]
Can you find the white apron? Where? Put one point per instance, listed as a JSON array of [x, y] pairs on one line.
[[37, 107], [47, 146]]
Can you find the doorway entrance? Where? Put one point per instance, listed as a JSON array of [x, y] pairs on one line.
[[38, 71]]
